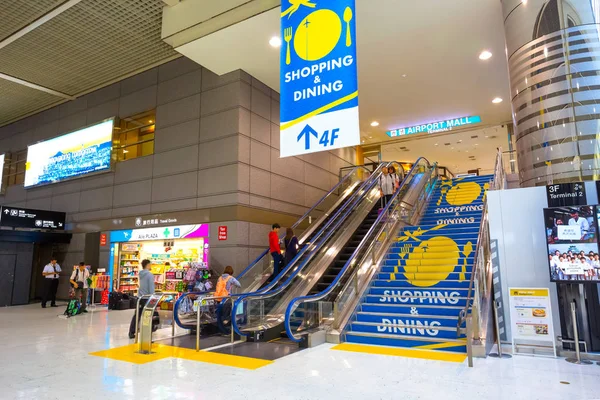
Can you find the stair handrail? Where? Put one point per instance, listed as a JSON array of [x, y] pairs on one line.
[[482, 256], [365, 188], [368, 240]]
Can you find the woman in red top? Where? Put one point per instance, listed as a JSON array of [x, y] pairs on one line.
[[275, 249]]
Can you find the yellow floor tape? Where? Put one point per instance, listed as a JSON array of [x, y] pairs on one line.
[[402, 352], [160, 351]]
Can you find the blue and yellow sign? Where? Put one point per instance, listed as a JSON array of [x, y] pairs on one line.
[[319, 84], [435, 127]]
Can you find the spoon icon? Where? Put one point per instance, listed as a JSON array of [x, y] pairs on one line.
[[347, 18]]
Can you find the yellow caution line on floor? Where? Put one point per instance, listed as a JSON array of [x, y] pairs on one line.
[[402, 352], [160, 352], [443, 345]]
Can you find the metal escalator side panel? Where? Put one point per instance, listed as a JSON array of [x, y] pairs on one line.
[[304, 281], [257, 305]]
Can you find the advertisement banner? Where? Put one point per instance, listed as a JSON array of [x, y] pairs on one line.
[[74, 154], [531, 318], [319, 83]]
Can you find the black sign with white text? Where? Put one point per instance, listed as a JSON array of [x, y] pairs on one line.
[[566, 194], [17, 217]]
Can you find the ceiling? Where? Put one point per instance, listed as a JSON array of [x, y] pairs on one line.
[[87, 46], [435, 43], [458, 151]]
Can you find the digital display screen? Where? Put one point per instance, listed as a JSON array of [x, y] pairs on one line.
[[72, 155], [2, 156], [572, 238]]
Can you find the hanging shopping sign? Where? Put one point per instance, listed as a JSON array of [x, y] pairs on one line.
[[319, 84]]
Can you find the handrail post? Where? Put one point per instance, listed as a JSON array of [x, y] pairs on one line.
[[500, 354], [137, 315], [198, 328], [577, 360], [469, 342]]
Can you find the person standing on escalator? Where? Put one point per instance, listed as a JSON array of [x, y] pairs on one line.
[[388, 183], [291, 246], [275, 249]]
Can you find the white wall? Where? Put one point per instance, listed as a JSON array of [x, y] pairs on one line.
[[517, 222]]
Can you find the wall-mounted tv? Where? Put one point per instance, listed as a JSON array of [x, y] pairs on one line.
[[86, 151], [572, 238]]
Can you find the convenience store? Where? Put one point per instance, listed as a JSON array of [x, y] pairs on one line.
[[176, 252]]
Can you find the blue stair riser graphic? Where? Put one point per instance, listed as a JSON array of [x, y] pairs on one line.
[[400, 320], [397, 342], [459, 239], [449, 229], [447, 265], [471, 209], [411, 327], [422, 284], [419, 297], [433, 257], [452, 292], [391, 266], [407, 309], [453, 220], [455, 276], [423, 227]]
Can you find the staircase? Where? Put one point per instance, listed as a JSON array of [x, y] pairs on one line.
[[415, 298]]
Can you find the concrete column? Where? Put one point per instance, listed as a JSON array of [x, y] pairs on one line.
[[553, 50]]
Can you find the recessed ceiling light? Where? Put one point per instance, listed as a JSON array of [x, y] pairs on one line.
[[374, 123], [485, 55], [497, 100], [150, 121], [275, 41], [370, 137], [524, 2], [125, 151], [436, 144], [404, 75]]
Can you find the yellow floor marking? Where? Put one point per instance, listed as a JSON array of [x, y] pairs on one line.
[[402, 352], [128, 354], [444, 345]]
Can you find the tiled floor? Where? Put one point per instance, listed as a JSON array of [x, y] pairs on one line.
[[46, 357]]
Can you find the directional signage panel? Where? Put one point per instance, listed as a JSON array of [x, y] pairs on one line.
[[319, 85], [17, 217]]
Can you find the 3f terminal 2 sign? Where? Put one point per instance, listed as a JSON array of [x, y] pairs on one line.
[[566, 194]]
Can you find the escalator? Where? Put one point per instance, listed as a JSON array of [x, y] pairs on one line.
[[256, 277], [332, 300], [262, 314]]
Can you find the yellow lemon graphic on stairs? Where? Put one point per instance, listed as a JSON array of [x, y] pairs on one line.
[[463, 193], [425, 255], [317, 35]]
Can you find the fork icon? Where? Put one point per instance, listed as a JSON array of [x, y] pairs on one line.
[[288, 33]]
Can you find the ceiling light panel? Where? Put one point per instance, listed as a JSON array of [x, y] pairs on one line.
[[67, 55]]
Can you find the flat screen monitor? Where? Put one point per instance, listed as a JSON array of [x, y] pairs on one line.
[[86, 151], [572, 238]]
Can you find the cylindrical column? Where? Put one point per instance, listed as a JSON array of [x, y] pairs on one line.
[[553, 50]]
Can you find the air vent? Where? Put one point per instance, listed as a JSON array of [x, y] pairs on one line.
[[493, 137], [403, 148], [474, 136], [447, 144], [472, 157]]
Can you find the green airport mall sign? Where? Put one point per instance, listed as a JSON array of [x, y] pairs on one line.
[[435, 127]]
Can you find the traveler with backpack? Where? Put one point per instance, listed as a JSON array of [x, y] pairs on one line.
[[222, 291], [79, 280], [51, 274], [146, 288]]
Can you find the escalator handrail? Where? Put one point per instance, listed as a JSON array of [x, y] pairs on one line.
[[266, 252], [253, 263], [370, 183], [364, 242]]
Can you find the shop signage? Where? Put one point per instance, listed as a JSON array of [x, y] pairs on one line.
[[435, 127], [162, 233], [75, 154], [103, 240], [35, 219], [222, 233], [319, 84], [566, 194], [139, 221], [531, 317]]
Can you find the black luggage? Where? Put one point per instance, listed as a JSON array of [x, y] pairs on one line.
[[123, 304], [133, 302]]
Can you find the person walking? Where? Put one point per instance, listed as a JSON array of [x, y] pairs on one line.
[[291, 246], [79, 280], [387, 186], [51, 275], [275, 249], [146, 288]]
